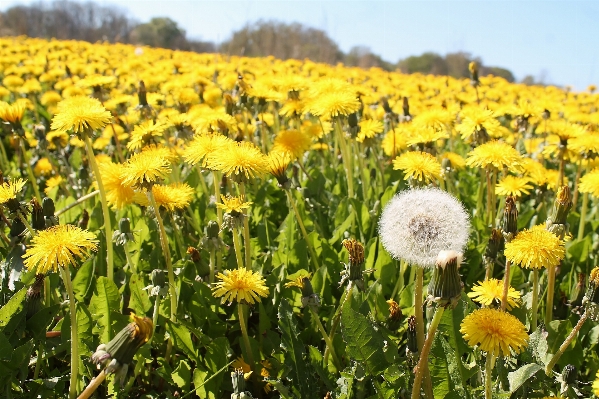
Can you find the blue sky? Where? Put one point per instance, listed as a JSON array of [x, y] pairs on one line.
[[556, 41]]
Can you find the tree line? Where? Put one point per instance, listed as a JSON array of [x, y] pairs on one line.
[[69, 20]]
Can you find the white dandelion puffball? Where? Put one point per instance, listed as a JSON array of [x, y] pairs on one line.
[[418, 224]]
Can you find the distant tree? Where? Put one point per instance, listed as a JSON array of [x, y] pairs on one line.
[[284, 41], [427, 63], [363, 57], [159, 32], [497, 71]]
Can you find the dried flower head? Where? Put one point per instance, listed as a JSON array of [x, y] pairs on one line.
[[418, 224]]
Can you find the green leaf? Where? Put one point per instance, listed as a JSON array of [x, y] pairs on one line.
[[139, 302], [40, 321], [364, 343], [215, 358], [316, 360], [182, 375], [439, 369], [342, 228], [290, 342], [83, 280], [182, 339], [520, 376], [12, 306], [104, 301]]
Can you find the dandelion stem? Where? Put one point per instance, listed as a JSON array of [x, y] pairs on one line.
[[216, 183], [26, 223], [155, 315], [167, 257], [30, 174], [421, 366], [535, 299], [66, 276], [346, 158], [105, 211], [244, 332], [488, 376], [550, 294], [564, 346], [583, 215], [79, 201], [246, 232], [506, 284], [129, 259], [38, 362], [327, 339], [237, 247], [303, 230], [337, 317], [212, 265], [93, 385], [418, 290]]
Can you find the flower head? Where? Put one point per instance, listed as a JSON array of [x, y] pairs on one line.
[[12, 113], [489, 292], [419, 166], [240, 285], [10, 189], [512, 185], [369, 128], [494, 331], [57, 247], [239, 160], [418, 224], [146, 133], [145, 168], [292, 142], [172, 196], [80, 113], [118, 194], [495, 153], [334, 103], [202, 147], [589, 183], [535, 248], [234, 204]]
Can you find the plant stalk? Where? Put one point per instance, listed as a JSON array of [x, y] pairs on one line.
[[93, 385], [583, 214], [535, 300], [244, 333], [418, 305], [66, 276], [421, 366], [303, 230], [488, 376], [237, 247], [506, 284], [564, 346], [327, 339], [246, 232], [550, 294]]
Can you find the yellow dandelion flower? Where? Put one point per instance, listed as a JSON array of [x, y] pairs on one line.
[[369, 128], [495, 153], [596, 385], [494, 332], [43, 167], [52, 183], [456, 160], [292, 142], [172, 196], [292, 108], [233, 204], [552, 176], [535, 248], [96, 80], [202, 146], [513, 185], [587, 144], [589, 183], [239, 160], [10, 189], [118, 194], [395, 140], [58, 246], [146, 133], [240, 363], [334, 103], [490, 292], [475, 120], [57, 139], [435, 119], [319, 147], [79, 114], [418, 165], [12, 113], [277, 165], [145, 168], [50, 98], [12, 82], [240, 285]]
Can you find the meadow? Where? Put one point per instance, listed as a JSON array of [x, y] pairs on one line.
[[175, 224]]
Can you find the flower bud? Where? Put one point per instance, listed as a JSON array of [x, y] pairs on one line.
[[124, 234], [309, 298], [446, 285], [238, 381], [591, 298], [34, 295], [353, 270], [577, 294], [395, 315], [557, 219], [84, 220], [406, 108], [213, 229], [37, 215], [48, 207], [412, 342], [194, 254], [16, 229], [510, 219], [570, 374], [158, 278]]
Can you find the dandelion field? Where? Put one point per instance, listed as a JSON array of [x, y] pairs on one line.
[[176, 224]]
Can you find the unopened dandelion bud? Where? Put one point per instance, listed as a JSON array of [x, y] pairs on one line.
[[445, 287], [16, 229], [352, 121], [238, 380], [158, 278], [412, 342], [385, 105], [570, 374], [84, 220], [194, 254], [473, 68], [213, 229], [34, 295], [510, 219], [395, 315], [37, 215], [142, 94], [353, 269], [406, 108], [116, 355], [309, 298], [591, 298], [124, 234], [48, 207], [494, 244], [557, 219]]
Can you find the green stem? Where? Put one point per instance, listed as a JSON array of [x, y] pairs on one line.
[[244, 333], [129, 259], [75, 203], [432, 329], [550, 294], [418, 290], [399, 284], [155, 315], [506, 284], [347, 295], [246, 232], [66, 276], [327, 339], [216, 183], [4, 157], [105, 211], [237, 247], [535, 299], [488, 375], [583, 214], [26, 223], [212, 265], [30, 174], [38, 362], [203, 182], [178, 239], [303, 230], [564, 346], [481, 194], [167, 257], [346, 158]]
